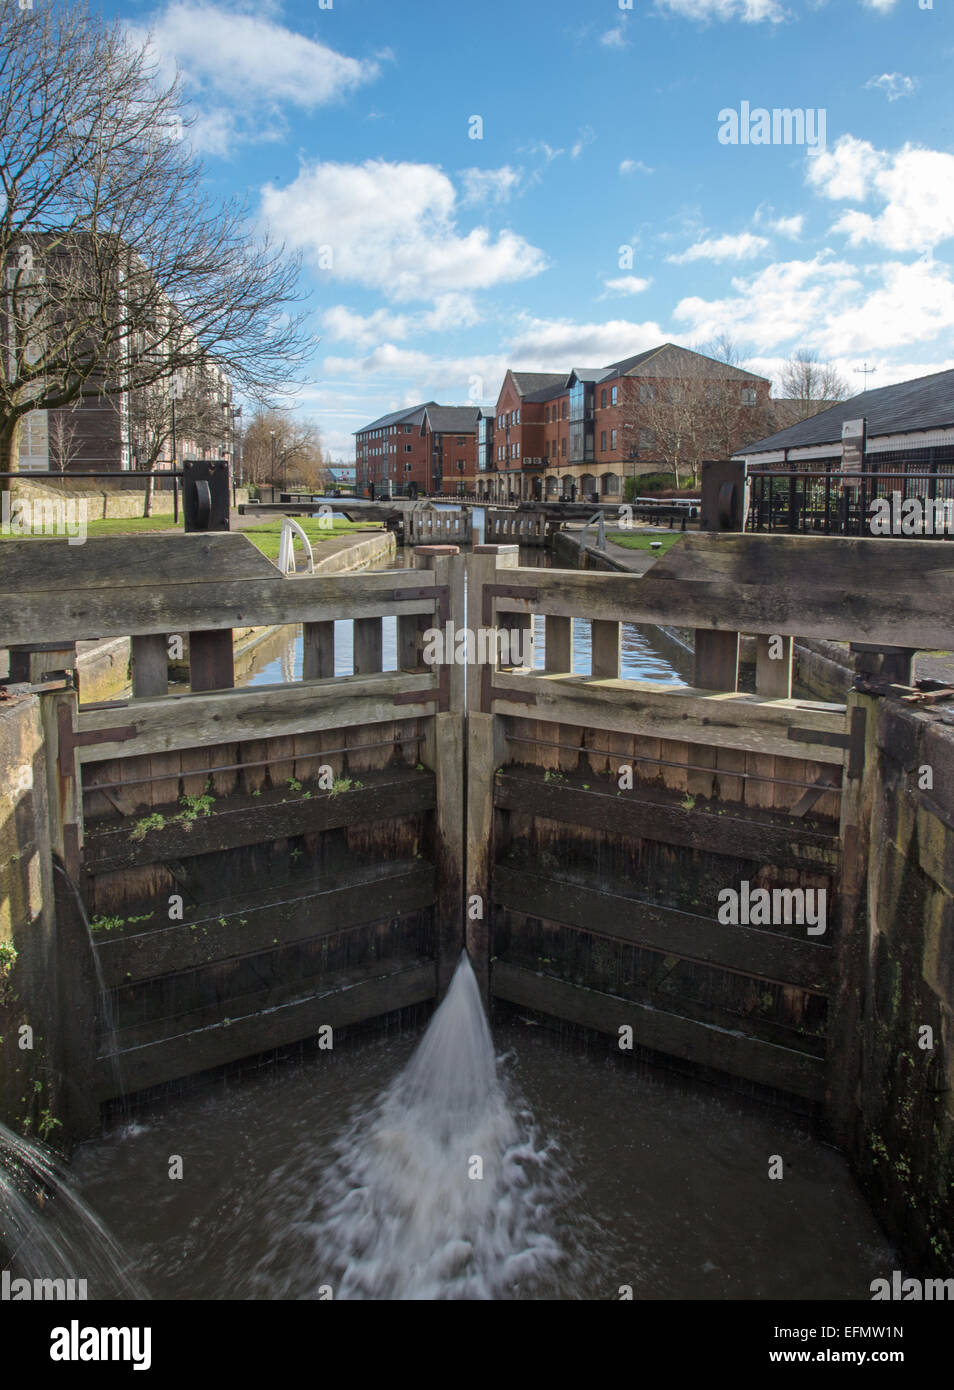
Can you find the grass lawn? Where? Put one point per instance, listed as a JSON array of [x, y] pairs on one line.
[[266, 535], [641, 540]]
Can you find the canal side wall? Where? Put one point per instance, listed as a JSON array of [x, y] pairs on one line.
[[102, 503], [905, 1148], [29, 1072]]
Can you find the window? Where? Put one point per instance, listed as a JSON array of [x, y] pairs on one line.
[[460, 442], [647, 438], [563, 447], [407, 468], [563, 410], [603, 399], [647, 393], [408, 429], [614, 395], [516, 451], [516, 417], [613, 439], [603, 440], [749, 395], [408, 448]]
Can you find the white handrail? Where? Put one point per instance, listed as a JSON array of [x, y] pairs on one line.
[[286, 546]]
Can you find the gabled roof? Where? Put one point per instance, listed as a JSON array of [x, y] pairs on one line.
[[409, 415], [670, 360], [585, 374], [925, 403], [536, 381], [548, 393], [451, 419]]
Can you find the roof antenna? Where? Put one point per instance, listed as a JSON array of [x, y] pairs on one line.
[[866, 372]]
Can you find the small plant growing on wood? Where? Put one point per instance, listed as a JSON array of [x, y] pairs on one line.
[[48, 1123], [688, 804], [8, 957], [142, 827], [103, 924], [195, 806]]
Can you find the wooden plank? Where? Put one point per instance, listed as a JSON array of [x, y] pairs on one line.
[[773, 674], [184, 721], [766, 955], [318, 650], [150, 665], [368, 646], [558, 644], [122, 611], [168, 1059], [136, 561], [733, 719], [606, 646], [716, 660], [779, 1067], [834, 603], [273, 817], [254, 924], [211, 660], [653, 819]]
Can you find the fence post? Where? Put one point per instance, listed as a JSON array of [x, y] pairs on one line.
[[443, 752], [485, 753]]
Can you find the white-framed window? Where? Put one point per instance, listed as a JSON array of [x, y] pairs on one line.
[[749, 395], [34, 442], [408, 448], [614, 395]]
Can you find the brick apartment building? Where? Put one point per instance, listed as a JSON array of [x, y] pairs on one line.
[[107, 431], [581, 433], [423, 450]]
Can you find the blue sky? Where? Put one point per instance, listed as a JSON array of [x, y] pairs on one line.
[[436, 259]]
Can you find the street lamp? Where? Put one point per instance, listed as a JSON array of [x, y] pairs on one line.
[[272, 433]]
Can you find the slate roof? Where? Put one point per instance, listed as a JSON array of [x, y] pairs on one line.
[[398, 417], [925, 403], [536, 381], [452, 419]]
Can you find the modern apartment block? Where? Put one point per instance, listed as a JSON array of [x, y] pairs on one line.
[[109, 430], [423, 450], [579, 434]]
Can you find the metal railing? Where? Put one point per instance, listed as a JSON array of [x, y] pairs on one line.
[[803, 501]]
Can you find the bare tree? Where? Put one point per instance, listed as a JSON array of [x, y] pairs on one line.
[[64, 439], [118, 269], [280, 447], [809, 386]]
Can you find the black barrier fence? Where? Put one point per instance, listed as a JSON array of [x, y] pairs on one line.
[[913, 499]]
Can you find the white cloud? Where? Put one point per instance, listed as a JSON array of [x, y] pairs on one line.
[[913, 303], [451, 311], [632, 166], [749, 11], [882, 6], [586, 137], [555, 344], [893, 84], [392, 227], [251, 55], [625, 284], [488, 185], [723, 248], [915, 185], [789, 226], [785, 301], [426, 376], [616, 37], [830, 306], [846, 170]]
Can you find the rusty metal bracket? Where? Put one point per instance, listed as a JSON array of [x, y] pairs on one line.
[[428, 697], [492, 591], [439, 592], [853, 741], [70, 740]]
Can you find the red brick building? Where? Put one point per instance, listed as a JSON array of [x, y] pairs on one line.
[[423, 450], [581, 433]]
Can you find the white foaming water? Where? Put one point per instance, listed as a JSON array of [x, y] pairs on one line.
[[402, 1216], [47, 1231]]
